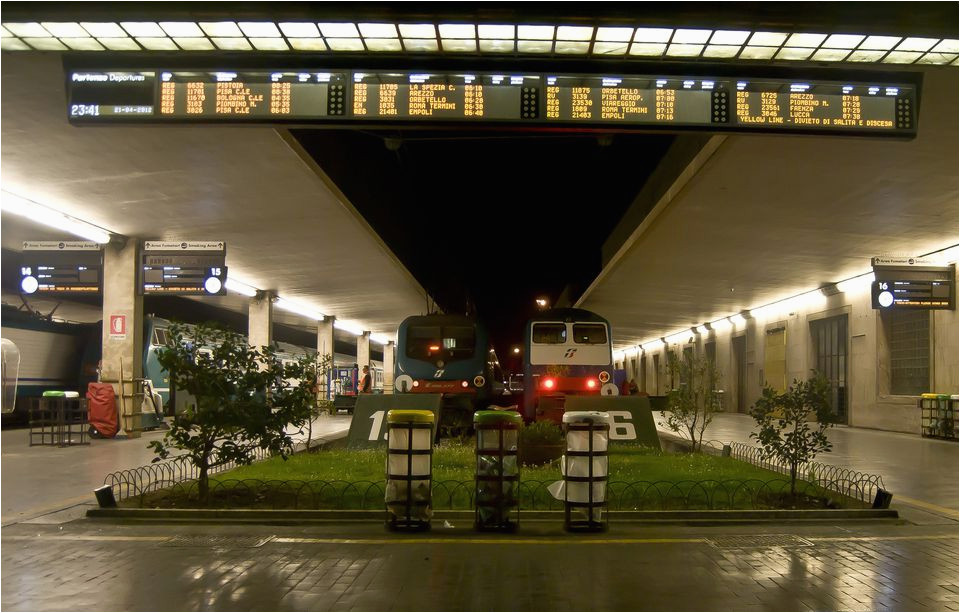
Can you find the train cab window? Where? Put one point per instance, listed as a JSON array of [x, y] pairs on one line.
[[550, 334], [435, 343], [160, 338], [590, 334]]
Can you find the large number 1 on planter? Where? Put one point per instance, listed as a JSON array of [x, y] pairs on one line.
[[622, 430], [378, 426]]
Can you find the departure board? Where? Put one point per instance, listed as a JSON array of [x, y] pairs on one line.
[[187, 268], [631, 100], [354, 97], [447, 96], [61, 267]]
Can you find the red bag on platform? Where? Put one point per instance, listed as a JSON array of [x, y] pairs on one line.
[[102, 409]]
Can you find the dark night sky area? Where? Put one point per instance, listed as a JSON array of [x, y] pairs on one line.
[[490, 221]]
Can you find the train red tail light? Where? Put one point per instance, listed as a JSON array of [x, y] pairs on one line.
[[416, 384], [434, 347], [549, 384], [464, 384], [591, 384]]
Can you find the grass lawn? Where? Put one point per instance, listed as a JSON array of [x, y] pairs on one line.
[[640, 478]]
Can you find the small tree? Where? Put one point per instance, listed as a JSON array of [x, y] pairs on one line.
[[321, 404], [245, 398], [783, 429], [694, 402]]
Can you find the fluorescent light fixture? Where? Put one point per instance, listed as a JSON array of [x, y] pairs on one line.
[[721, 51], [383, 44], [679, 337], [11, 203], [652, 345], [381, 339], [702, 329], [534, 46], [345, 44], [27, 30], [614, 35], [937, 58], [692, 37], [856, 283], [269, 44], [103, 30], [221, 29], [652, 35], [908, 44], [297, 308], [82, 44], [5, 33], [881, 43], [458, 30], [119, 44], [158, 44], [378, 30], [901, 57], [805, 40], [307, 44], [563, 46], [351, 327], [574, 32], [865, 56], [185, 29], [729, 37], [496, 46], [420, 44], [71, 30], [232, 44], [831, 55], [757, 53], [496, 31], [610, 48], [13, 44], [794, 53], [466, 44], [684, 50], [843, 41], [947, 45], [259, 29], [45, 44], [767, 39], [300, 29], [339, 30], [647, 49], [240, 287], [418, 30], [535, 32], [194, 44]]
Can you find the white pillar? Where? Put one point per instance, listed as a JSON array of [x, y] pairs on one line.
[[122, 338], [260, 320], [389, 352], [363, 351], [325, 347]]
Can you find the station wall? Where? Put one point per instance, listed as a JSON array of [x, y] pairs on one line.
[[863, 362]]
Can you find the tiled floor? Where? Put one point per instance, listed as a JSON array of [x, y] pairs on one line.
[[92, 566]]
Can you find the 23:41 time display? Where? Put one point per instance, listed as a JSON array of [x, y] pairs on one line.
[[84, 110]]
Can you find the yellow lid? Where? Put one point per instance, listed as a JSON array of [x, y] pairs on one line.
[[409, 416], [928, 395]]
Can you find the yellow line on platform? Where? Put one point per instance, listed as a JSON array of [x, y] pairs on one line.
[[488, 541], [929, 506], [836, 539]]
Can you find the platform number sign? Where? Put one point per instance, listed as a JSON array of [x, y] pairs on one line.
[[630, 417], [621, 426], [369, 425]]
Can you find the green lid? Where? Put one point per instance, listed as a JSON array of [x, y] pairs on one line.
[[492, 418], [398, 416], [943, 396], [53, 394]]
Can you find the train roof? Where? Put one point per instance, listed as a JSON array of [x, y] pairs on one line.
[[438, 319], [567, 314]]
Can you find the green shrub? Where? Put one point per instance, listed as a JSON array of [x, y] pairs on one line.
[[541, 433]]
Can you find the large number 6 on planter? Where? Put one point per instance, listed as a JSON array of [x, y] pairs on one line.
[[622, 430]]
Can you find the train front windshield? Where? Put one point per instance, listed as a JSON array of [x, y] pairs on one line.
[[447, 343]]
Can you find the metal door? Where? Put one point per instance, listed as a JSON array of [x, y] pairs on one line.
[[830, 346]]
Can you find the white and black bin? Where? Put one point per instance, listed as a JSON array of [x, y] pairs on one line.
[[408, 495], [585, 471]]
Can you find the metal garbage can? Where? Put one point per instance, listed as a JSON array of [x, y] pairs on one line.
[[409, 469], [496, 492], [585, 471]]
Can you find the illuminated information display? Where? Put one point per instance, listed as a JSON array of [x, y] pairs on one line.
[[353, 97], [912, 283], [61, 267], [188, 268]]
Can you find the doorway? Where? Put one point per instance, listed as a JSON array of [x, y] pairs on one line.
[[830, 346], [740, 364]]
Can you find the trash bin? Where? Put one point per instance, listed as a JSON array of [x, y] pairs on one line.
[[585, 470], [409, 469], [497, 481]]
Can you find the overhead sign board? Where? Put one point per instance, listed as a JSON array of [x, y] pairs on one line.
[[184, 268], [357, 97], [61, 267], [912, 283]]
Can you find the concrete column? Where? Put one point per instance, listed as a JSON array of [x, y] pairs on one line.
[[325, 347], [363, 351], [389, 353], [122, 339], [260, 320]]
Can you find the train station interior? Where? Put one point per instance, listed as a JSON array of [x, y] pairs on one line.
[[587, 165]]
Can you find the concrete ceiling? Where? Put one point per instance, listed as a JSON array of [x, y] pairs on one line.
[[287, 227], [766, 217]]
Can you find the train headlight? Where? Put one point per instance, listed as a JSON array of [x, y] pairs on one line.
[[479, 380], [604, 376], [29, 284], [404, 383]]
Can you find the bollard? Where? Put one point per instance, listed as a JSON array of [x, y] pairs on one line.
[[407, 495], [498, 470], [585, 471]]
